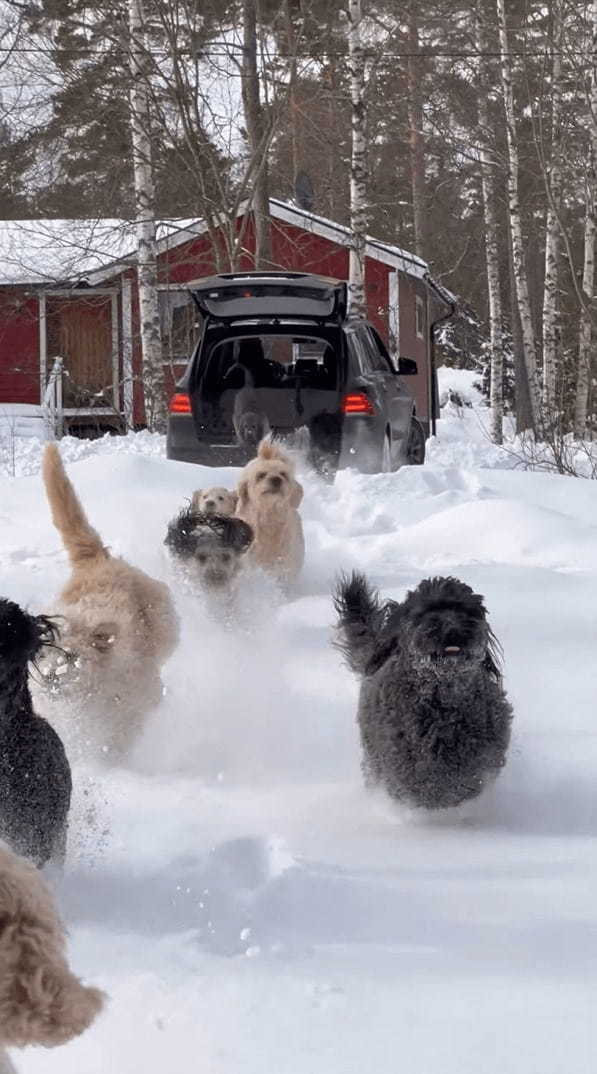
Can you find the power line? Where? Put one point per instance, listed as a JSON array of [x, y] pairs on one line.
[[227, 51]]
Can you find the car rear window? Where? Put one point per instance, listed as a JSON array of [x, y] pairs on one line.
[[270, 361]]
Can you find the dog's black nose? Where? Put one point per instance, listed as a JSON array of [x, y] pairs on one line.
[[275, 481], [210, 503]]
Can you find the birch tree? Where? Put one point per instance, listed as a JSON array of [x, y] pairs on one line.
[[588, 312], [515, 223], [154, 397], [553, 182], [492, 259], [358, 167], [415, 123], [258, 134]]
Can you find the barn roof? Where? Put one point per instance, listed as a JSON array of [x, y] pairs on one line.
[[60, 251]]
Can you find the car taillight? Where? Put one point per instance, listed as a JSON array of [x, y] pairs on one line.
[[180, 404], [357, 403]]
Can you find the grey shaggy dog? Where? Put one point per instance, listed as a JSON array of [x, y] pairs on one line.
[[433, 715]]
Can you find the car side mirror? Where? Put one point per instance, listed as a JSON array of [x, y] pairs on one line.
[[407, 367]]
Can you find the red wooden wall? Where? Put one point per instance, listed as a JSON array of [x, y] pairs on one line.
[[19, 347], [292, 248]]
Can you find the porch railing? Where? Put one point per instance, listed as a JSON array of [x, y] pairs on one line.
[[52, 407]]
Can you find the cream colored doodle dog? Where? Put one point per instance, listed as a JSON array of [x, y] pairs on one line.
[[268, 498], [118, 626], [214, 501], [41, 1002]]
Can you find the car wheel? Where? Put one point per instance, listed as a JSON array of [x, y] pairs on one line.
[[415, 448], [386, 455]]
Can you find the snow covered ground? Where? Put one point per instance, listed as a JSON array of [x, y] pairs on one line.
[[248, 908]]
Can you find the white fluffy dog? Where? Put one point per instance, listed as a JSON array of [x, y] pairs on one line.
[[117, 627], [214, 501], [268, 498]]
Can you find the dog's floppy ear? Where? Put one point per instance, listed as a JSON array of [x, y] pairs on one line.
[[493, 657], [103, 636], [242, 493], [296, 494], [196, 500], [238, 534], [234, 497]]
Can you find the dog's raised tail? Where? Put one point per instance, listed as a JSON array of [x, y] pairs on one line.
[[360, 616], [80, 539]]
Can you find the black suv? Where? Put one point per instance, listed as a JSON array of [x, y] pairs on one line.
[[279, 354]]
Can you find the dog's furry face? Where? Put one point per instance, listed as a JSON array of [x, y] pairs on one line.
[[443, 627], [250, 427], [22, 636], [214, 501], [211, 546], [269, 479]]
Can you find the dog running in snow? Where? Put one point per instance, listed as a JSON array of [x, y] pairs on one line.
[[433, 716], [35, 779], [209, 547], [214, 501], [118, 626], [268, 498], [41, 1001]]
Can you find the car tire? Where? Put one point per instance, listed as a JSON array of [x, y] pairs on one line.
[[415, 448]]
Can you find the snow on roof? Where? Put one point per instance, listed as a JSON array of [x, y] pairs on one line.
[[56, 251], [60, 251]]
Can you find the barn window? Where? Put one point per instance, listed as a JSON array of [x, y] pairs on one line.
[[419, 317], [178, 326]]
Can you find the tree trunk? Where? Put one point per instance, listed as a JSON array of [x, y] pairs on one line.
[[515, 224], [292, 96], [415, 125], [589, 310], [156, 411], [257, 135], [358, 170], [553, 182], [492, 261]]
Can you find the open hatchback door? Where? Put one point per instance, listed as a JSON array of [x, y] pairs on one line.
[[273, 296]]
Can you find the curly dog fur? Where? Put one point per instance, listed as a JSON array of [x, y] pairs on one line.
[[433, 716], [268, 498], [211, 547], [41, 1002], [119, 626], [35, 779]]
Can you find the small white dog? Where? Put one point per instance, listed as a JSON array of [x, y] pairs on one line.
[[268, 498], [214, 501]]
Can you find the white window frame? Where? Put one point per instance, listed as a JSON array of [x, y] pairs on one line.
[[419, 317]]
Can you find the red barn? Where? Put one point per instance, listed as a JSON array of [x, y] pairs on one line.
[[68, 289]]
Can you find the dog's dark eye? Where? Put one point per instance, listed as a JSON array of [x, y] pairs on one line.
[[226, 557], [202, 557], [260, 476]]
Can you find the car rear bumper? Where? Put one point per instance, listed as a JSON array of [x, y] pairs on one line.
[[360, 446]]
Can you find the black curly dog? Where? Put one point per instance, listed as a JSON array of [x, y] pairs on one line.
[[433, 716], [35, 779]]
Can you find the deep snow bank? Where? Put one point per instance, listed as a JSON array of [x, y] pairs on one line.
[[247, 906]]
